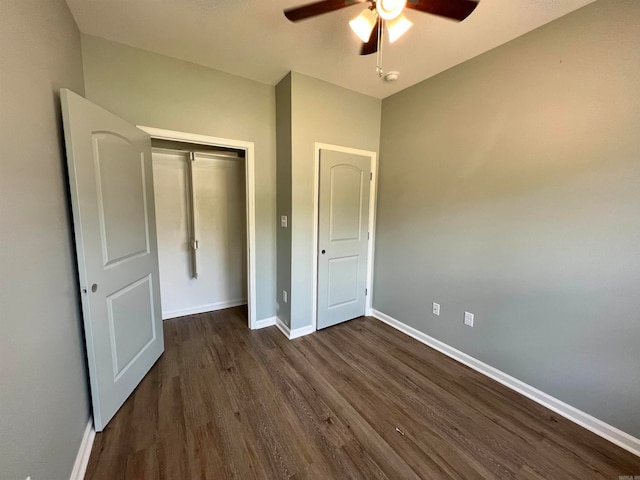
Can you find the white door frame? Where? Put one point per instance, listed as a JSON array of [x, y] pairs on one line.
[[249, 160], [372, 221]]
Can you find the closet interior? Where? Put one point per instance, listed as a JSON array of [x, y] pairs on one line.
[[200, 196]]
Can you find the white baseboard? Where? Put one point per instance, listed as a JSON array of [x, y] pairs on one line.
[[82, 459], [604, 430], [204, 308], [265, 322], [283, 327], [301, 332], [296, 332]]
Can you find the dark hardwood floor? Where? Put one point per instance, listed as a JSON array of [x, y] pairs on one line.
[[358, 400]]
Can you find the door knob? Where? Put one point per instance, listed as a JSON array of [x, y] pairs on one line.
[[323, 252], [94, 287]]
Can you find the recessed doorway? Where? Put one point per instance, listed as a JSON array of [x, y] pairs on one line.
[[344, 236], [211, 160]]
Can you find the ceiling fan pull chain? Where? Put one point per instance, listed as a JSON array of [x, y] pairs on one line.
[[379, 54]]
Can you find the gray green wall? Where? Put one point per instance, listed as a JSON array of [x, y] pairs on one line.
[[44, 406], [326, 113], [283, 189], [157, 91], [510, 187]]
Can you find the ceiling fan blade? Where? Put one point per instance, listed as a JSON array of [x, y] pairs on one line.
[[453, 9], [372, 45], [316, 8]]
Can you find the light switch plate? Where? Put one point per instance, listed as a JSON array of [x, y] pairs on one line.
[[468, 319], [284, 221], [436, 308], [284, 296]]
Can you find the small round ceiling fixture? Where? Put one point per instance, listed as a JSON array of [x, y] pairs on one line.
[[390, 9], [391, 76]]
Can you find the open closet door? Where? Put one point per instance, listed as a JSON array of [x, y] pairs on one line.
[[111, 184]]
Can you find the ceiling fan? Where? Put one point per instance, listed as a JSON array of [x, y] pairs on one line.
[[370, 24]]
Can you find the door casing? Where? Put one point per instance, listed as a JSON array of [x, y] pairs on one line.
[[372, 221], [249, 159]]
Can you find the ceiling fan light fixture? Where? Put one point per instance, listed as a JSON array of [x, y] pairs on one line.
[[398, 27], [390, 9], [363, 24]]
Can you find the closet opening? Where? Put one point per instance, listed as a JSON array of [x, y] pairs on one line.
[[201, 198]]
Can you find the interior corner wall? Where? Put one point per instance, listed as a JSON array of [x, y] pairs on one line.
[[320, 112], [509, 187], [158, 91], [283, 195], [44, 404]]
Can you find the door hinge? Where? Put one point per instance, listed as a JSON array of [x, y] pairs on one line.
[[368, 235], [370, 175], [192, 156], [366, 292]]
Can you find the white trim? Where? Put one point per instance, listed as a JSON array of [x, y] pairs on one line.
[[82, 459], [265, 322], [301, 332], [283, 327], [295, 333], [210, 307], [604, 430], [249, 149], [372, 223]]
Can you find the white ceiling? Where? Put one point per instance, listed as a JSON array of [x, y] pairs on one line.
[[253, 39]]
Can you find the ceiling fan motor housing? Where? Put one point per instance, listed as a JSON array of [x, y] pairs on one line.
[[390, 9]]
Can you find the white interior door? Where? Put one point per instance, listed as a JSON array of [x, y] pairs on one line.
[[342, 236], [111, 184]]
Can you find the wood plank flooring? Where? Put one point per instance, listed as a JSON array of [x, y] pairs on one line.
[[358, 400]]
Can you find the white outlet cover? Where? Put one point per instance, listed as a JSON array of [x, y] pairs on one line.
[[468, 319], [436, 308], [284, 296]]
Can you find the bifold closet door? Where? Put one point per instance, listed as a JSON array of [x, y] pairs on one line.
[[220, 229]]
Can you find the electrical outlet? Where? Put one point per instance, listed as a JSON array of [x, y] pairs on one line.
[[468, 319], [284, 296], [436, 308]]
